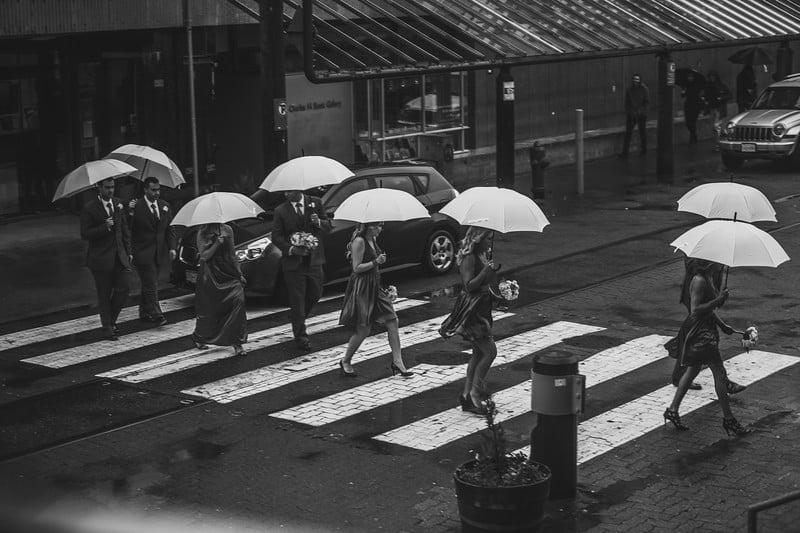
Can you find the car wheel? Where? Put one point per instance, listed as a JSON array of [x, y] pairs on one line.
[[732, 163], [440, 252]]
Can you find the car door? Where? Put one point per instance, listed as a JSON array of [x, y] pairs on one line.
[[402, 241], [337, 265]]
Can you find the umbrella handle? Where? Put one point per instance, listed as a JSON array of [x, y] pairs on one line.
[[725, 285]]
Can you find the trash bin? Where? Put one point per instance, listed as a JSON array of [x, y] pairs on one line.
[[537, 154]]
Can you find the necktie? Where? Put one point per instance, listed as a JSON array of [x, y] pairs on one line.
[[110, 209], [155, 211], [298, 209]]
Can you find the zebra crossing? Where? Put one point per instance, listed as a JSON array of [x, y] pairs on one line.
[[597, 435]]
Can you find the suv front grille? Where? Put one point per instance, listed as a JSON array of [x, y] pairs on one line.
[[752, 133]]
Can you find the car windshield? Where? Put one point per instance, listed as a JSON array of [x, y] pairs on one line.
[[779, 98]]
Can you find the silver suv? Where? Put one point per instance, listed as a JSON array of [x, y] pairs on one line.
[[770, 129]]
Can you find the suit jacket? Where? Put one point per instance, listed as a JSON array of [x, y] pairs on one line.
[[105, 243], [286, 222], [151, 238]]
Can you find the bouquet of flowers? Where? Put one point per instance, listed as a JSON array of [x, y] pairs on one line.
[[391, 292], [301, 238], [750, 338], [509, 289]]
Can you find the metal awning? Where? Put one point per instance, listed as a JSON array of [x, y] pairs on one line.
[[359, 39]]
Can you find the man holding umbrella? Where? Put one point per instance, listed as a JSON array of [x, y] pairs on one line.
[[108, 256]]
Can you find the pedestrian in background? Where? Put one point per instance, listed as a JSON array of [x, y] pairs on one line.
[[746, 88], [152, 240], [365, 301], [471, 316], [717, 96], [694, 102], [637, 100], [219, 293], [108, 256], [301, 265], [698, 344]]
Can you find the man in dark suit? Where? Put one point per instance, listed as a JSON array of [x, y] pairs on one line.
[[302, 266], [108, 256], [152, 239]]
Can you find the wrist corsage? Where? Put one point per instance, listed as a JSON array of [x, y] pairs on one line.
[[750, 338], [302, 238], [509, 289]]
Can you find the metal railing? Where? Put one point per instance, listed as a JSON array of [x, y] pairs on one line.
[[753, 510]]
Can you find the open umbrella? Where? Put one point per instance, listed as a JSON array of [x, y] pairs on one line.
[[728, 200], [752, 55], [731, 243], [216, 207], [88, 174], [498, 209], [377, 205], [306, 172], [682, 77], [149, 162]]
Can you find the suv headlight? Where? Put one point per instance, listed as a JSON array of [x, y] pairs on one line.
[[254, 250], [729, 127], [778, 130]]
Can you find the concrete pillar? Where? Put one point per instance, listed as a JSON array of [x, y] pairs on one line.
[[665, 158], [505, 128]]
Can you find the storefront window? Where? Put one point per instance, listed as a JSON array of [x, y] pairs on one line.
[[394, 116]]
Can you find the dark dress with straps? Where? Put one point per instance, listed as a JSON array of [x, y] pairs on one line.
[[219, 299], [697, 342], [365, 302], [471, 316]]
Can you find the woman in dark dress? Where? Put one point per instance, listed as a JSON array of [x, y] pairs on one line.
[[698, 344], [219, 294], [471, 316], [365, 301]]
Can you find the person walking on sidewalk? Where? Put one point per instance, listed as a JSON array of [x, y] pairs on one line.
[[365, 301], [152, 240], [746, 87], [301, 265], [219, 293], [471, 316], [698, 345], [690, 269], [637, 100], [694, 102], [108, 256]]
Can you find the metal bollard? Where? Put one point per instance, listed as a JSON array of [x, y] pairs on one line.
[[557, 397], [537, 154]]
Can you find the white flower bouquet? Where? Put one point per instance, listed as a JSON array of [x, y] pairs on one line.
[[301, 238], [750, 338], [509, 289], [391, 292]]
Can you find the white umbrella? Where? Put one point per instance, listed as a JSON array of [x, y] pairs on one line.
[[150, 162], [498, 209], [306, 172], [728, 200], [88, 174], [377, 205], [216, 207], [731, 243]]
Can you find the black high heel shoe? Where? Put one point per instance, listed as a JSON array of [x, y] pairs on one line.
[[396, 370], [731, 424], [733, 387], [344, 372], [466, 402], [675, 418]]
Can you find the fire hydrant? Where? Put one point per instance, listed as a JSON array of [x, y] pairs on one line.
[[537, 153]]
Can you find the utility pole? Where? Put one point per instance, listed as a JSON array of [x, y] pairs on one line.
[[273, 84]]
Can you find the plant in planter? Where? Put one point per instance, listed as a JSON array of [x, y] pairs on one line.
[[498, 490]]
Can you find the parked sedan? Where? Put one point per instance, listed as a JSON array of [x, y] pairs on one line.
[[430, 242]]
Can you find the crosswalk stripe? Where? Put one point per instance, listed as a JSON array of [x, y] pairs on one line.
[[618, 426], [97, 350], [77, 325], [439, 429], [277, 375], [187, 359], [359, 399]]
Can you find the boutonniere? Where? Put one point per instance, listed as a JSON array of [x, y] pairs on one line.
[[164, 208], [311, 205]]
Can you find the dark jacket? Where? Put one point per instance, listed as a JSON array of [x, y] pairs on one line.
[[105, 243], [286, 222], [637, 99], [151, 239]]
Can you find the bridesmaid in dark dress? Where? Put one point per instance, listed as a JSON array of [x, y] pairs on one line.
[[698, 344], [219, 294], [471, 316], [365, 302]]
